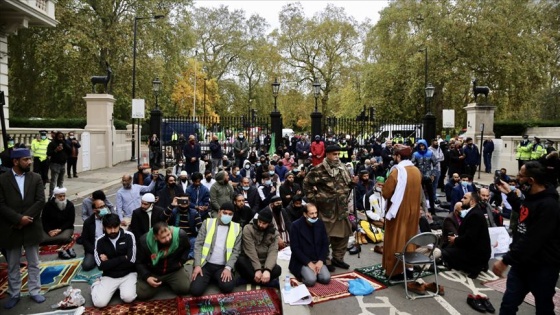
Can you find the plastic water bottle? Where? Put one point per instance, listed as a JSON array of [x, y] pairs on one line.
[[287, 285]]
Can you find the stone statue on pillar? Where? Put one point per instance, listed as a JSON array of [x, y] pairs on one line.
[[479, 114]]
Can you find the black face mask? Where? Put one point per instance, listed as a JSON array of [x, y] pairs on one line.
[[277, 208], [184, 180], [435, 146], [172, 185], [209, 178]]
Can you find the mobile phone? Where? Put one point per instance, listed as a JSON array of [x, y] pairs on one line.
[[497, 177]]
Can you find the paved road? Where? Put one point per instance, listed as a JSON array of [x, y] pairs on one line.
[[387, 301]]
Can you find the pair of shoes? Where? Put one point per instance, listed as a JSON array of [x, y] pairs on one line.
[[473, 275], [38, 298], [69, 176], [486, 303], [432, 288], [354, 250], [71, 252], [75, 176], [378, 249], [63, 255], [340, 263], [416, 287], [11, 303], [437, 201], [331, 268], [476, 303]]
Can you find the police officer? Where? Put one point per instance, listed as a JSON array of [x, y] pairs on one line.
[[40, 159]]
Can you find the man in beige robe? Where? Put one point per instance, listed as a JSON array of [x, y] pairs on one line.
[[403, 194]]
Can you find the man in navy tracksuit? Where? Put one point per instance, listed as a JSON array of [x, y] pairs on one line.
[[115, 254], [534, 255]]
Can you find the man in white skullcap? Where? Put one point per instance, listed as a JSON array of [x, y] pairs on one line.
[[146, 216], [58, 221], [183, 180]]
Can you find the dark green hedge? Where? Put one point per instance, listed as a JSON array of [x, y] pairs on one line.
[[63, 123], [518, 128]]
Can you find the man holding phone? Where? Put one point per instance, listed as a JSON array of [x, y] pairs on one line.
[[181, 215], [58, 152]]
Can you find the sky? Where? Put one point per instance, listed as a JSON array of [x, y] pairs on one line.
[[269, 9]]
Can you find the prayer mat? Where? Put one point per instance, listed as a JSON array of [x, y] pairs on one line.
[[337, 287], [87, 276], [500, 286], [376, 272], [262, 302], [54, 249], [167, 307], [54, 274], [74, 311]]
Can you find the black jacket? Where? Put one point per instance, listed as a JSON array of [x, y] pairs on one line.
[[139, 221], [53, 218], [61, 156], [289, 190], [165, 265], [88, 234], [473, 237], [253, 198], [121, 256], [536, 242]]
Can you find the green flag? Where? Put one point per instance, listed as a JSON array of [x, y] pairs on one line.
[[272, 148]]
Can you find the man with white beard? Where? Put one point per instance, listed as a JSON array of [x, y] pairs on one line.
[[58, 222]]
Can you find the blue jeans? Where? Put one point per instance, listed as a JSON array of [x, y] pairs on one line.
[[539, 280], [191, 243], [487, 162], [437, 174]]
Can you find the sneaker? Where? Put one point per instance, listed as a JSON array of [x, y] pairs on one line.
[[486, 303], [475, 303], [71, 252], [38, 298], [417, 288], [11, 303], [432, 288]]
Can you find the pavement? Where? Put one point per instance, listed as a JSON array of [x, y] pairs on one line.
[[387, 301]]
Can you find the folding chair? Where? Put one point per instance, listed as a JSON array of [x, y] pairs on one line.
[[414, 258]]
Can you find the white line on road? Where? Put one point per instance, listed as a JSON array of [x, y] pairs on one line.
[[450, 309]]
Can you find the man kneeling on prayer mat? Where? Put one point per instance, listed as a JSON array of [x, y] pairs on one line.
[[216, 250], [115, 254], [257, 263], [162, 252], [58, 222], [310, 247]]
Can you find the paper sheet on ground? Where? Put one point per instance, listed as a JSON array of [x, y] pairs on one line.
[[285, 253], [297, 296]]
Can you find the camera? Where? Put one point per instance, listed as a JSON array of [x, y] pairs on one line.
[[497, 177], [183, 201]]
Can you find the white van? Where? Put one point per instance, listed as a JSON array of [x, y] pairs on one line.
[[386, 132], [288, 132]]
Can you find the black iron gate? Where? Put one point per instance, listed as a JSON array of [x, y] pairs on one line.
[[175, 131]]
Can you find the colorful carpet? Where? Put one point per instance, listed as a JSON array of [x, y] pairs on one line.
[[376, 272], [167, 307], [337, 288], [262, 302], [87, 276], [54, 274], [54, 249], [500, 286]]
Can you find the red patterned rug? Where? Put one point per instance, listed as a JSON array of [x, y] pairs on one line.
[[261, 302], [54, 249], [500, 286], [337, 288], [167, 307]]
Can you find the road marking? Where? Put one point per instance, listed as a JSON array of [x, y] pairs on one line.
[[448, 307]]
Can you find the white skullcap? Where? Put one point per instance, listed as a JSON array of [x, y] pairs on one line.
[[149, 198], [183, 173], [59, 190]]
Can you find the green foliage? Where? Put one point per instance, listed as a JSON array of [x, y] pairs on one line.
[[62, 123]]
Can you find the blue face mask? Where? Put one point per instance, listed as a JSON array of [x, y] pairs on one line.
[[246, 187], [258, 164], [464, 213], [43, 137], [310, 220], [103, 212], [226, 219], [512, 188], [271, 172], [464, 184], [237, 173], [268, 182]]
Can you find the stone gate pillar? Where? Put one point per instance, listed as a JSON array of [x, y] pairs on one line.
[[100, 126], [478, 114]]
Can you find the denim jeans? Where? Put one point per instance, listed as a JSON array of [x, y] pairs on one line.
[[435, 182], [487, 162], [539, 280]]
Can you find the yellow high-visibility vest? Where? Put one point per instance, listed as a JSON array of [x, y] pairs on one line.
[[39, 148], [234, 229]]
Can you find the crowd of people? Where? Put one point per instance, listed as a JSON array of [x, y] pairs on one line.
[[226, 216]]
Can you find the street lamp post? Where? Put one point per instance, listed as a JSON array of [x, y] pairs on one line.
[[429, 95], [429, 120], [316, 91], [136, 19], [155, 118], [156, 86], [275, 89], [425, 50]]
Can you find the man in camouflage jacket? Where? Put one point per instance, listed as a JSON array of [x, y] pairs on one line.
[[328, 186]]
